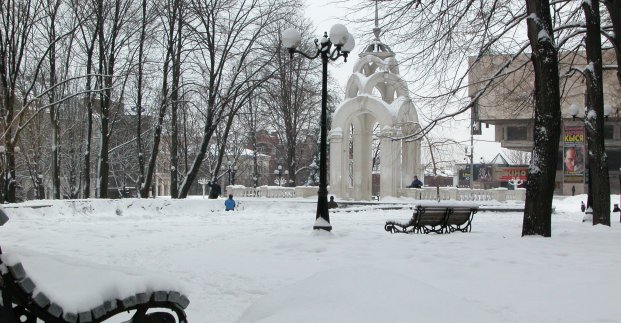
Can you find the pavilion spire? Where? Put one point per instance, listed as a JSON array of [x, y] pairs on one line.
[[377, 30]]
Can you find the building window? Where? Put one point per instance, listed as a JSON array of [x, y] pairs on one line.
[[609, 132], [516, 133]]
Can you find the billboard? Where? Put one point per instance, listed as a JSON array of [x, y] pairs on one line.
[[573, 154], [482, 172], [505, 174]]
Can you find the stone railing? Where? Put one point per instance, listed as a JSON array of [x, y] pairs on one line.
[[425, 193], [272, 191], [464, 194]]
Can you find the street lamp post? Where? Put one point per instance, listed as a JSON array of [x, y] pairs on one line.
[[343, 43], [203, 181], [231, 173], [573, 111], [470, 162], [3, 178], [279, 172], [312, 177]]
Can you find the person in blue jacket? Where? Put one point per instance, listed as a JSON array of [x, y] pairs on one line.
[[416, 183], [229, 204]]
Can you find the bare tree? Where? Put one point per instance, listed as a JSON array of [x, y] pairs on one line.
[[227, 37], [599, 180], [88, 36], [440, 152], [542, 169], [614, 11], [171, 17], [517, 157], [293, 100]]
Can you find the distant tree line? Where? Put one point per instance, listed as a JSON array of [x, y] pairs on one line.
[[107, 92]]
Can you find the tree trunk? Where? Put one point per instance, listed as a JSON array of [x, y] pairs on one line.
[[104, 96], [139, 94], [594, 119], [164, 100], [174, 133], [614, 11], [542, 170], [52, 97]]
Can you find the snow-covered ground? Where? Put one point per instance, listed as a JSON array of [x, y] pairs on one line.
[[264, 263]]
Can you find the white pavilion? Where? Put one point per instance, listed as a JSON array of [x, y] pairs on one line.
[[377, 109]]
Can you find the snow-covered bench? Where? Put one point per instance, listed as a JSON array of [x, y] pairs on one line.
[[42, 288], [438, 218]]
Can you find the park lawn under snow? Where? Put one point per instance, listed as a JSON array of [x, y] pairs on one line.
[[263, 263]]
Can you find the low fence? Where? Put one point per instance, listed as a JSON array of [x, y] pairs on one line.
[[425, 193], [464, 194]]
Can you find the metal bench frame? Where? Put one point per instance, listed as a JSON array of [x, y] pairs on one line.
[[19, 303], [460, 219], [438, 219]]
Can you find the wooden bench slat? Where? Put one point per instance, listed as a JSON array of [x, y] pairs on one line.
[[184, 302], [17, 271], [99, 311], [160, 296], [55, 310], [142, 298], [129, 301], [27, 285], [70, 317], [85, 317], [41, 300]]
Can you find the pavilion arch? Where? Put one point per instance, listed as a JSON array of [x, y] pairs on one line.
[[355, 119], [354, 85], [386, 82], [361, 105], [369, 65]]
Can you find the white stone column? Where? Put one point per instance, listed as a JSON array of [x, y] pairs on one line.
[[362, 158], [390, 166], [338, 160]]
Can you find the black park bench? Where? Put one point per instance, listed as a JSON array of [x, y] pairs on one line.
[[438, 218], [30, 295]]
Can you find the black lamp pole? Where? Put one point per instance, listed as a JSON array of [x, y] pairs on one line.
[[324, 51], [278, 173]]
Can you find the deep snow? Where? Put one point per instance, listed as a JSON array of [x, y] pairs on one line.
[[264, 263]]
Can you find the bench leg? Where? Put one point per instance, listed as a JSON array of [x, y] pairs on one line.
[[141, 316], [10, 313]]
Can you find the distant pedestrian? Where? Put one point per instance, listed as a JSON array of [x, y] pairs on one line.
[[229, 204], [616, 208], [573, 190], [416, 183], [582, 206], [214, 190], [332, 204]]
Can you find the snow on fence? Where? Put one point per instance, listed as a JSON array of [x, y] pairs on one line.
[[425, 193]]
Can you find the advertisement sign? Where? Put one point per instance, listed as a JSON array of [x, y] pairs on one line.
[[464, 175], [505, 174], [482, 172], [573, 154]]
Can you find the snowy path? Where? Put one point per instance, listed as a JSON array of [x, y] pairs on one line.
[[266, 254]]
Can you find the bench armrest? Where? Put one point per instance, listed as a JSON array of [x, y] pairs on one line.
[[3, 217]]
